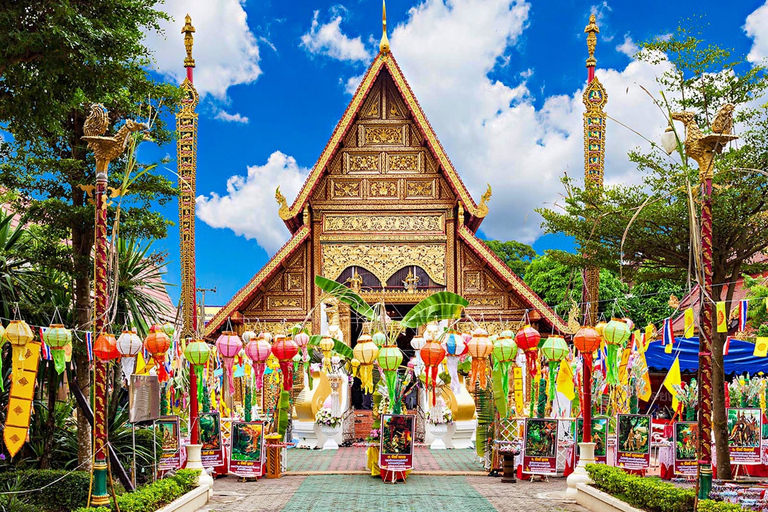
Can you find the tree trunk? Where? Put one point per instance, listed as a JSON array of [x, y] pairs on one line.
[[50, 427], [81, 245], [719, 418]]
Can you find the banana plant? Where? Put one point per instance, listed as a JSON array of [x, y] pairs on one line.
[[436, 307], [346, 296]]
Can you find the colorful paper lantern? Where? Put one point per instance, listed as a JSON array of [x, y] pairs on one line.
[[128, 345], [616, 333], [389, 359], [229, 344], [355, 364], [57, 337], [479, 347], [105, 347], [169, 329], [454, 346], [284, 349], [366, 352], [326, 345], [432, 354], [380, 339], [248, 336], [555, 349], [600, 327], [302, 340], [417, 343], [504, 353], [587, 340], [528, 340], [157, 344], [18, 334], [258, 350], [197, 353]]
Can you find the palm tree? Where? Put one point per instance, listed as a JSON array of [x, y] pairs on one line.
[[16, 271]]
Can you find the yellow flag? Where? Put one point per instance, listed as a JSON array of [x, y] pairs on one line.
[[565, 380], [623, 373], [645, 391], [761, 347], [673, 378], [142, 368], [688, 332], [668, 348], [649, 333], [639, 341], [722, 320]]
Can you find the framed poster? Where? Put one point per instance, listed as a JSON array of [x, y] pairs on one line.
[[633, 441], [540, 446], [168, 427], [246, 455], [599, 437], [686, 442], [744, 432], [396, 444], [211, 453]]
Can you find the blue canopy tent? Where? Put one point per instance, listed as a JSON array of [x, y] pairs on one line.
[[739, 359]]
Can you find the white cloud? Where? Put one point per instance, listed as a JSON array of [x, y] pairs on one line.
[[755, 27], [225, 50], [328, 39], [222, 115], [249, 208], [351, 84], [628, 47]]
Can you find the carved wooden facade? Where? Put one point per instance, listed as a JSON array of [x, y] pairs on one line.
[[382, 197]]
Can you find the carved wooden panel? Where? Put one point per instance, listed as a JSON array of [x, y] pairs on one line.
[[383, 135], [383, 189], [395, 223], [421, 189], [383, 260], [345, 189], [362, 163], [285, 291], [405, 162], [372, 107]]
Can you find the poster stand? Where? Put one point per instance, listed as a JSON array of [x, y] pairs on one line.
[[396, 447]]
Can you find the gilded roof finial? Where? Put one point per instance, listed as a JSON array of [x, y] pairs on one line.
[[384, 44], [591, 30], [188, 30]]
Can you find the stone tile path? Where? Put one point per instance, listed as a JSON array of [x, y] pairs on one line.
[[353, 459]]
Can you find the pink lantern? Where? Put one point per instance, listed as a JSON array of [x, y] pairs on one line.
[[302, 340], [229, 345], [258, 350]]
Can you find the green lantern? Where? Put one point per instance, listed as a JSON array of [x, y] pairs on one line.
[[169, 329], [380, 339], [389, 359], [554, 349], [504, 353], [57, 337], [197, 353], [616, 333]]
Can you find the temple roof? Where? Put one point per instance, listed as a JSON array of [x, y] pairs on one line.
[[532, 300], [252, 287], [292, 216]]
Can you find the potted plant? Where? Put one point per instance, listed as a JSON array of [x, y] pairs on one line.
[[330, 425], [439, 418]]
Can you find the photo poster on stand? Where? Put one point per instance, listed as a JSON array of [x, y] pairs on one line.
[[540, 446], [168, 429], [599, 437], [246, 454], [633, 441], [744, 433], [212, 451], [396, 444], [686, 442]]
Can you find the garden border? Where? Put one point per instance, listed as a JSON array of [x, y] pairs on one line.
[[596, 500]]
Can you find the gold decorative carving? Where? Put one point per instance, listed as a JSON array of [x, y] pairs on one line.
[[364, 163], [188, 30], [472, 280], [407, 162], [346, 189], [385, 223], [283, 211], [592, 30], [420, 189], [482, 208], [384, 260], [485, 301], [383, 189], [388, 135], [279, 302]]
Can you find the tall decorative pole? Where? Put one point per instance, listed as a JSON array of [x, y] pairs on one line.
[[105, 150], [186, 148], [702, 149]]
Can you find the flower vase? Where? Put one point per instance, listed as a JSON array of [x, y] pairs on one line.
[[439, 430], [330, 433]]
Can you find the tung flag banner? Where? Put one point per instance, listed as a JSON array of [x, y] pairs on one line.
[[565, 381], [672, 379], [649, 329], [761, 347], [645, 391], [743, 308], [722, 319], [688, 331]]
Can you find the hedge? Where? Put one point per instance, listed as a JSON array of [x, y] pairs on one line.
[[67, 494], [651, 494], [154, 496]]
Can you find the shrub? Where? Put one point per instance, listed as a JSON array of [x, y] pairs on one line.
[[717, 506], [67, 494], [643, 492], [153, 496]]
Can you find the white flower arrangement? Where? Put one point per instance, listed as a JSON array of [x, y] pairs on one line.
[[436, 417], [325, 418]]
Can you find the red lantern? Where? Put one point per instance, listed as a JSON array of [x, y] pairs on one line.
[[528, 340], [432, 354], [285, 349], [105, 347], [157, 344], [587, 340]]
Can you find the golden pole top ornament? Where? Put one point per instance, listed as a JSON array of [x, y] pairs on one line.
[[592, 30], [384, 44], [107, 148], [188, 30]]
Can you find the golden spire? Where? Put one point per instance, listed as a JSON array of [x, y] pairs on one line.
[[592, 30], [384, 44], [188, 30]]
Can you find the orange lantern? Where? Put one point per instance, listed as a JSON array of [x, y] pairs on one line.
[[105, 347], [479, 347], [432, 354], [157, 344]]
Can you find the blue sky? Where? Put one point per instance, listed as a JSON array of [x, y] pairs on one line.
[[500, 81]]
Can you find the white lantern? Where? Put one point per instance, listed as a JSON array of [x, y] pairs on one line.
[[669, 140], [128, 345], [248, 336]]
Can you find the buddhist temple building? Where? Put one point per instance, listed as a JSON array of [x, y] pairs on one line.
[[385, 212]]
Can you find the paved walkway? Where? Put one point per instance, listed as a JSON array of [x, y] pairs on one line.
[[459, 488]]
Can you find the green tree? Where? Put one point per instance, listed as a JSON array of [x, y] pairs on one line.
[[515, 254], [652, 228], [61, 57], [758, 295]]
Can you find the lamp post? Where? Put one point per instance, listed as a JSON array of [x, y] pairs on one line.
[[105, 150], [702, 149]]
